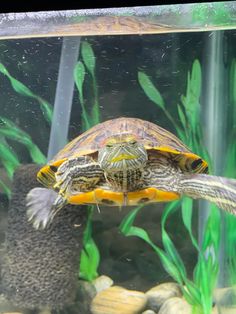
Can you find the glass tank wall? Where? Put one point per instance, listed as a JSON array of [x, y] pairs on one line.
[[61, 73]]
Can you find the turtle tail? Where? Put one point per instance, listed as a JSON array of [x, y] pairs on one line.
[[218, 190]]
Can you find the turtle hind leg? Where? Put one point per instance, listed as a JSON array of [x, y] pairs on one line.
[[42, 205], [218, 190]]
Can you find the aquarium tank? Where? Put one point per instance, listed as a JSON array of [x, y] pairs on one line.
[[64, 72]]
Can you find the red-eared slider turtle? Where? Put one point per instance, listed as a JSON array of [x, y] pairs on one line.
[[122, 162]]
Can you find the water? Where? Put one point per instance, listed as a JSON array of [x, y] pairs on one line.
[[194, 71]]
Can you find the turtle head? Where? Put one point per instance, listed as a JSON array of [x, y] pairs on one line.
[[122, 152]]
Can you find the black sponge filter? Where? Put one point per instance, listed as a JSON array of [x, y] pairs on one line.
[[40, 267]]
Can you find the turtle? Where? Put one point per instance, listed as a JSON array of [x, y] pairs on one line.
[[124, 162]]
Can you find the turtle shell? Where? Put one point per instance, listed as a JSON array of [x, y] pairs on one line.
[[153, 137]]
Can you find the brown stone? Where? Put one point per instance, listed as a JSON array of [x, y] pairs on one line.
[[102, 282], [224, 296], [175, 306], [159, 294], [117, 300]]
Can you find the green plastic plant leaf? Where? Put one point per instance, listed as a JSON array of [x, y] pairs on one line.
[[205, 272], [127, 223], [170, 249], [10, 130], [5, 189], [88, 57], [196, 79], [17, 86], [187, 208], [90, 256], [230, 221], [25, 91], [230, 171], [95, 110], [181, 134], [37, 156], [189, 297], [90, 63], [8, 158], [154, 95], [46, 108], [127, 228], [205, 277], [150, 90], [169, 258], [212, 232], [166, 262], [194, 292], [182, 117], [89, 261], [232, 81], [191, 100], [79, 76]]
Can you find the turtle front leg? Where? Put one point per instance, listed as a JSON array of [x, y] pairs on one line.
[[79, 174], [76, 175]]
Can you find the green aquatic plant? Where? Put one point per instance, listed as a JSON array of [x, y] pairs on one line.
[[10, 131], [87, 66], [23, 90], [198, 291], [230, 171], [90, 256], [189, 130], [10, 162], [9, 159], [5, 189]]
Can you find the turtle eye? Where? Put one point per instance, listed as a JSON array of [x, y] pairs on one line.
[[109, 145], [133, 142]]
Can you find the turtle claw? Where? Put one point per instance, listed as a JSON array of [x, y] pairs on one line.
[[39, 203]]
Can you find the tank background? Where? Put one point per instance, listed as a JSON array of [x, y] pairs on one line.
[[166, 58]]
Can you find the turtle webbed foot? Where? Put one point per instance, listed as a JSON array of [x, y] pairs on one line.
[[42, 205]]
